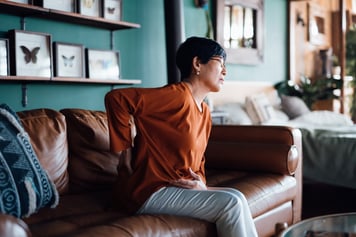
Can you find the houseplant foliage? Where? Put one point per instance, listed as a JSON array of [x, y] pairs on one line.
[[310, 91]]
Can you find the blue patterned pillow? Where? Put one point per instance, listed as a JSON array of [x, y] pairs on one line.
[[24, 185]]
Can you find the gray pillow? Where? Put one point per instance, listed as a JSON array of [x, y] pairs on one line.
[[293, 106]]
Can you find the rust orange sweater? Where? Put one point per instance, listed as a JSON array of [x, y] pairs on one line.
[[172, 135]]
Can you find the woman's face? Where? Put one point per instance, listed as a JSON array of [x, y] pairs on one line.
[[213, 73]]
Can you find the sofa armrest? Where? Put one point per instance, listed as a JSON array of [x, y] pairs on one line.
[[274, 149], [12, 226]]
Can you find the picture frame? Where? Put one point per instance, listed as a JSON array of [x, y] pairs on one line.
[[22, 1], [89, 7], [68, 60], [316, 24], [63, 5], [102, 64], [30, 53], [112, 10], [4, 57]]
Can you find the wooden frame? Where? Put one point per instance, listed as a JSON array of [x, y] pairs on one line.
[[4, 57], [242, 55], [102, 64], [68, 60], [316, 24], [90, 7], [63, 5], [112, 9], [30, 53]]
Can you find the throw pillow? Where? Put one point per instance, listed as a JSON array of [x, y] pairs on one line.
[[236, 113], [293, 106], [24, 186], [259, 108]]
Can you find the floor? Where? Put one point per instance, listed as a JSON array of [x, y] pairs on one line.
[[320, 199]]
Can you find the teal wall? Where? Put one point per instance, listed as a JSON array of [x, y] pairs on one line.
[[142, 52]]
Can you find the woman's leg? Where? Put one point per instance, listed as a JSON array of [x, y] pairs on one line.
[[225, 207]]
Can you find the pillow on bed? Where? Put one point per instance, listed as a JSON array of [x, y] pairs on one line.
[[236, 113], [324, 117], [259, 108], [293, 106]]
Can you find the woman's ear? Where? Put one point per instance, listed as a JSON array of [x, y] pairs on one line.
[[196, 64]]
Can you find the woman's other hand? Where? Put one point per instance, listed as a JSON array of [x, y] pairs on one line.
[[195, 183]]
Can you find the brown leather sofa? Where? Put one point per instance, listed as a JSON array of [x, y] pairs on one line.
[[73, 146]]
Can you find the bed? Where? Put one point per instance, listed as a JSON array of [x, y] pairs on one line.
[[329, 138]]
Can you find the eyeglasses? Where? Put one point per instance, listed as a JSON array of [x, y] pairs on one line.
[[220, 60]]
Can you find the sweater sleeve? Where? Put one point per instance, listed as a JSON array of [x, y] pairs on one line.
[[121, 105]]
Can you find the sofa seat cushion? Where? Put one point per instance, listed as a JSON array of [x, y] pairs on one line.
[[263, 191], [150, 226], [91, 214]]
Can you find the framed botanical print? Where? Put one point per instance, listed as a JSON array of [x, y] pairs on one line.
[[112, 9], [90, 7], [4, 57], [68, 60], [30, 53], [102, 64]]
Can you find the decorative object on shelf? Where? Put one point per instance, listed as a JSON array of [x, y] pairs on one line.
[[90, 7], [316, 24], [63, 5], [22, 1], [4, 57], [68, 60], [30, 53], [102, 64], [112, 9]]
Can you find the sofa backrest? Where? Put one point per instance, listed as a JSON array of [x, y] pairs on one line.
[[48, 134], [91, 164]]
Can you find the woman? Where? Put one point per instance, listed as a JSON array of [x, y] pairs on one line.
[[166, 173]]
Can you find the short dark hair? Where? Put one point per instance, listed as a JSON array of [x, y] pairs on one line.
[[203, 48]]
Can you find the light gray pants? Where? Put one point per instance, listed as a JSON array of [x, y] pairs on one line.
[[226, 207]]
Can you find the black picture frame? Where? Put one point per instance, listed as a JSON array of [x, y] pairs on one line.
[[102, 64], [68, 60], [4, 57], [90, 7], [30, 53], [112, 10]]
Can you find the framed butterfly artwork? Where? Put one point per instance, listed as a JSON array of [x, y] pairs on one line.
[[30, 53], [102, 64], [112, 9], [4, 57], [89, 7], [68, 60], [63, 5]]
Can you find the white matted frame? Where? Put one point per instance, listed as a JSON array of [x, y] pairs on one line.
[[4, 57], [22, 1], [62, 5], [30, 53], [316, 24], [112, 10], [68, 60], [90, 7], [103, 64]]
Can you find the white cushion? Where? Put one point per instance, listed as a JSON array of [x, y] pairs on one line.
[[259, 108], [236, 113]]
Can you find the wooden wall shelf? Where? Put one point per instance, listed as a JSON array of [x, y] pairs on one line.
[[25, 10], [25, 79]]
